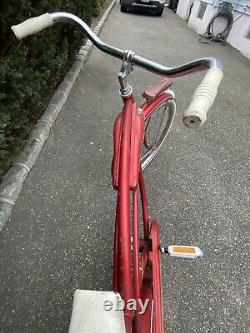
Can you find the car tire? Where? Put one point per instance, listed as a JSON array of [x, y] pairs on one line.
[[124, 9], [160, 11]]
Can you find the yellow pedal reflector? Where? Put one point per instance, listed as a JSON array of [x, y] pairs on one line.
[[190, 252]]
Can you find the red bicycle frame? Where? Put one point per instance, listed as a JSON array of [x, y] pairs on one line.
[[136, 266]]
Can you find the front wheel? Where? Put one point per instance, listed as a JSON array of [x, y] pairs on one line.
[[157, 127]]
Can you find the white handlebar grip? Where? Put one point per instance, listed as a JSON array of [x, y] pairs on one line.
[[203, 98], [32, 26]]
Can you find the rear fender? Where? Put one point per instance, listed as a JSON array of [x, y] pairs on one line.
[[149, 107]]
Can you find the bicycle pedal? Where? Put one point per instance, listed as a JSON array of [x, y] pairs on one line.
[[189, 252]]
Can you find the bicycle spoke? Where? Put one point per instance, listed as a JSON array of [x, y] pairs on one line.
[[156, 129], [164, 111]]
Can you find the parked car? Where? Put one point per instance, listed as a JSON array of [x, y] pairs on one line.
[[156, 6]]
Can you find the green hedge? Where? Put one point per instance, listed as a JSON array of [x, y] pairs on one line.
[[31, 70]]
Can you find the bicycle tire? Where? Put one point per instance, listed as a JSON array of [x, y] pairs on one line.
[[151, 282], [167, 108]]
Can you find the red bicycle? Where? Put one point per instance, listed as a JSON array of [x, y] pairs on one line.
[[138, 135]]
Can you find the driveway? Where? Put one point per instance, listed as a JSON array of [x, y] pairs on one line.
[[59, 236]]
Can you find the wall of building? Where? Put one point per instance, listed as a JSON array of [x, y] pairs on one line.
[[241, 27], [238, 35], [183, 9], [200, 25]]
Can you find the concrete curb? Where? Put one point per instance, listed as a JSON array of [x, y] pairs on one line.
[[12, 183]]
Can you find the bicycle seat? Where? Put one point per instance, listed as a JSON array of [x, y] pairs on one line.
[[89, 314], [157, 89]]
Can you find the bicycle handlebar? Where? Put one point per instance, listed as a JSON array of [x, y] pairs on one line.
[[204, 95]]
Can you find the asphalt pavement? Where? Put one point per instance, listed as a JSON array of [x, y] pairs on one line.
[[59, 236]]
